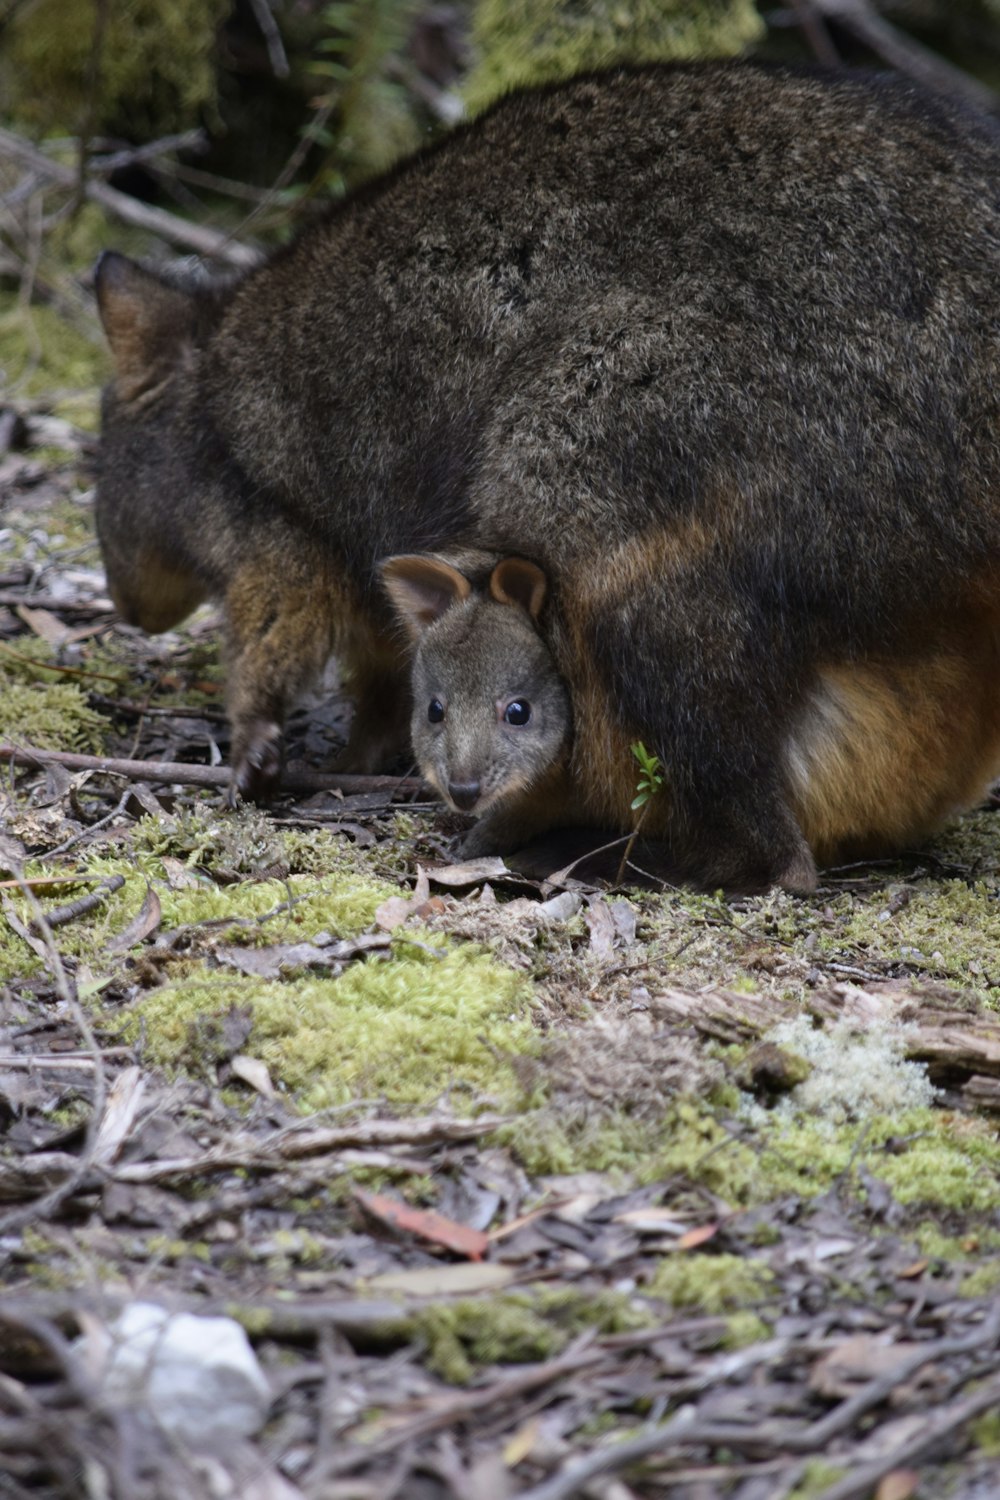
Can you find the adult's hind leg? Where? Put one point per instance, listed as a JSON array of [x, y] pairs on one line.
[[678, 657]]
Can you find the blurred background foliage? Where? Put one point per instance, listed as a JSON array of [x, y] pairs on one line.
[[128, 122]]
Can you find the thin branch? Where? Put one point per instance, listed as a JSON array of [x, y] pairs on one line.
[[861, 1481], [93, 93], [816, 33], [197, 237], [684, 1430], [179, 773], [17, 1219], [114, 161], [908, 56], [272, 36]]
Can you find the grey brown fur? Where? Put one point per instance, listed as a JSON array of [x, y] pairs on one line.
[[716, 347]]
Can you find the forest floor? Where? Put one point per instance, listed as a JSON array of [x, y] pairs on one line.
[[521, 1186]]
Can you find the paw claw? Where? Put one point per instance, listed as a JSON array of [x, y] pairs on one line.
[[255, 774]]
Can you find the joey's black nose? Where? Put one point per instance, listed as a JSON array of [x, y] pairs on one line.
[[464, 794]]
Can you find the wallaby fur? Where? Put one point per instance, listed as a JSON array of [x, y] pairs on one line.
[[879, 752], [714, 347]]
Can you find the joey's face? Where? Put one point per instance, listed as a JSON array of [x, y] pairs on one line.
[[491, 714]]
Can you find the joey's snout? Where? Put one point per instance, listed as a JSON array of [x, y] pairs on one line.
[[464, 794]]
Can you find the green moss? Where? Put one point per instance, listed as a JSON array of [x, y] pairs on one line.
[[256, 1321], [517, 1328], [49, 716], [982, 1281], [948, 1161], [167, 1251], [817, 1477], [41, 353], [745, 1328], [985, 1432], [545, 1144], [156, 71], [341, 904], [948, 926], [710, 1283], [953, 1161], [938, 1245], [410, 1029], [533, 41]]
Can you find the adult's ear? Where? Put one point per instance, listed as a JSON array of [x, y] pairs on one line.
[[422, 588], [517, 581], [145, 320]]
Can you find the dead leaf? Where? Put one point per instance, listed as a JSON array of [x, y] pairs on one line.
[[179, 876], [560, 908], [12, 853], [282, 958], [472, 872], [859, 1359], [652, 1221], [426, 1223], [695, 1237], [47, 626], [520, 1443], [36, 945], [393, 912], [916, 1269], [488, 1479], [623, 915], [142, 926], [253, 1072], [124, 1098], [441, 1281], [574, 1210], [898, 1485], [602, 928]]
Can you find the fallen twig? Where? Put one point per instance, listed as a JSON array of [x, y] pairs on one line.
[[167, 771], [903, 53], [862, 1480], [79, 908], [684, 1430], [197, 237], [270, 1152]]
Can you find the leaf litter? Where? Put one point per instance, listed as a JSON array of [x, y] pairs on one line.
[[615, 1191]]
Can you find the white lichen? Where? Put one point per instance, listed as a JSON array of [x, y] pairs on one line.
[[853, 1075]]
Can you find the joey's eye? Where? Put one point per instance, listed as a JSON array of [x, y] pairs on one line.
[[517, 713], [435, 711]]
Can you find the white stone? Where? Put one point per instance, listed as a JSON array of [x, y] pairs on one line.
[[198, 1377]]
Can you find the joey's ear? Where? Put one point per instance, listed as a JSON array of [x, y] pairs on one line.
[[517, 581], [145, 320], [422, 588]]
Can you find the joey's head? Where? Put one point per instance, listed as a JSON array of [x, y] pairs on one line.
[[491, 714], [156, 483]]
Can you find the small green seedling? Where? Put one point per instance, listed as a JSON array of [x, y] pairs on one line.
[[650, 777], [650, 782]]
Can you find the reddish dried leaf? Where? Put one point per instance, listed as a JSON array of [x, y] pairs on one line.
[[425, 1223], [696, 1237], [900, 1484]]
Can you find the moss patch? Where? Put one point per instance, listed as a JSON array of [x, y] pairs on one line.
[[156, 64], [49, 716], [516, 1328], [711, 1283], [521, 42], [40, 352], [422, 1024]]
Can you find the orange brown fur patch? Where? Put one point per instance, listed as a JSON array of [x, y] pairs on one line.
[[884, 751]]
